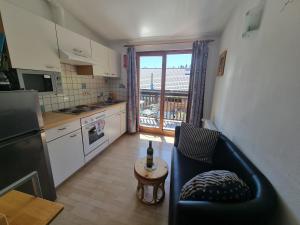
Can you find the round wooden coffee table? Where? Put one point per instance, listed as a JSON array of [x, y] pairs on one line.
[[151, 178]]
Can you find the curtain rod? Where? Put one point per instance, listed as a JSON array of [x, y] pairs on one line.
[[164, 43]]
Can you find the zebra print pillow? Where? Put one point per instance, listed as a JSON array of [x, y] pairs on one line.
[[197, 143], [216, 186]]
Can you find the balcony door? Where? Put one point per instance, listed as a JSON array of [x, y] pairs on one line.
[[163, 79]]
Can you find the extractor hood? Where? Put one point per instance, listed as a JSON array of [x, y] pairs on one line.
[[75, 59]]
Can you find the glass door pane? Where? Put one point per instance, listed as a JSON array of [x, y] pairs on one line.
[[176, 89], [150, 71]]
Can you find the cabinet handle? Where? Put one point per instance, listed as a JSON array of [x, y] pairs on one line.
[[77, 50], [73, 135], [51, 67], [63, 128]]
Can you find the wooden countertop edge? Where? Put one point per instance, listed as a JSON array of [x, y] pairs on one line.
[[62, 118]]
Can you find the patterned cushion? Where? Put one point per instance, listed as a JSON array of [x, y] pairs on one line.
[[197, 143], [216, 186]]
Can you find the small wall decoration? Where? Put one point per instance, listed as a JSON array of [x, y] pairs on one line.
[[222, 61], [125, 61], [253, 18]]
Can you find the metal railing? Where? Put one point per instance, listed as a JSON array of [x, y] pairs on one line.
[[175, 104]]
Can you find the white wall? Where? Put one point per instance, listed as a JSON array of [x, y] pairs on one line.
[[43, 9], [257, 101]]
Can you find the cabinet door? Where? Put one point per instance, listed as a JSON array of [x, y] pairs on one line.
[[31, 39], [100, 55], [72, 42], [123, 122], [114, 63], [66, 156], [113, 127]]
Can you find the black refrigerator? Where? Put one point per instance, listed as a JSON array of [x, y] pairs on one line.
[[22, 142]]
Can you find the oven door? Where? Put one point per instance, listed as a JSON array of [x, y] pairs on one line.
[[93, 135]]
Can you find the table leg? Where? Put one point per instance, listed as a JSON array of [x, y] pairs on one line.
[[138, 187], [155, 190], [142, 194], [163, 189]]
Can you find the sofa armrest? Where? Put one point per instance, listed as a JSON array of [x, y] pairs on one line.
[[177, 134]]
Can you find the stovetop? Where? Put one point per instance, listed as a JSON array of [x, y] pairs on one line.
[[86, 108]]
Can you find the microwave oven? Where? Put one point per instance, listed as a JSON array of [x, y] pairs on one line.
[[45, 82]]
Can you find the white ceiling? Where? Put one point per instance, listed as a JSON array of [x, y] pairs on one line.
[[159, 19]]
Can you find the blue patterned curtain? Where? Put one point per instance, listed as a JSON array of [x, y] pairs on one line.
[[197, 83], [132, 119]]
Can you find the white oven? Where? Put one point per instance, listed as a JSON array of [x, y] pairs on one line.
[[94, 135]]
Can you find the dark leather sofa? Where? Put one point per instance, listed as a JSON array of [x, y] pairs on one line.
[[227, 157]]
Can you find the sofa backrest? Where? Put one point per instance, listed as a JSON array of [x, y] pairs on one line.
[[227, 156]]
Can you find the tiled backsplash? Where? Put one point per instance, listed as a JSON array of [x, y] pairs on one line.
[[79, 90]]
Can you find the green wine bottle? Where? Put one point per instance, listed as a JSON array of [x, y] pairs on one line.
[[150, 155]]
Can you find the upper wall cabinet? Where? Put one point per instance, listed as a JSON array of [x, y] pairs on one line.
[[114, 59], [100, 55], [107, 62], [70, 43], [31, 39]]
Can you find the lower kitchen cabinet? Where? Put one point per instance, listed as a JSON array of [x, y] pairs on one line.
[[65, 144], [66, 156], [113, 127], [123, 122]]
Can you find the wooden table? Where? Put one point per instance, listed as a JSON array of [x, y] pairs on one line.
[[154, 178], [17, 208]]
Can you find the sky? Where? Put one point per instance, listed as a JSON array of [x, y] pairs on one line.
[[173, 61]]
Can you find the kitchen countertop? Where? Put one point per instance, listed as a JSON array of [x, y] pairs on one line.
[[55, 119]]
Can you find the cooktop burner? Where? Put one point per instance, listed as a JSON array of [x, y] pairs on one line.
[[85, 108]]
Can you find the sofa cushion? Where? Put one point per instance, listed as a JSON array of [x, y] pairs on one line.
[[187, 170], [216, 186], [197, 143]]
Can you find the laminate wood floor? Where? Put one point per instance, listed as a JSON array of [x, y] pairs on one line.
[[104, 191]]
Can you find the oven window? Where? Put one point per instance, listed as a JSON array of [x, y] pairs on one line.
[[95, 132], [38, 82]]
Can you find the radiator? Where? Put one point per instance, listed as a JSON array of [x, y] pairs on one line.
[[209, 124]]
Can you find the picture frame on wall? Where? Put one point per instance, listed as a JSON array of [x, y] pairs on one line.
[[222, 62]]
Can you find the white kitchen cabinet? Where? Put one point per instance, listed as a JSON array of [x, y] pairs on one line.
[[100, 55], [123, 122], [71, 42], [106, 62], [66, 156], [31, 39], [113, 127], [114, 59]]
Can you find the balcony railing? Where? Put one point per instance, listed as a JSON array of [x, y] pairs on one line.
[[175, 107]]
